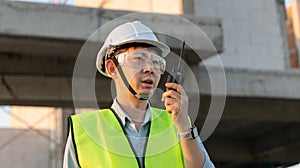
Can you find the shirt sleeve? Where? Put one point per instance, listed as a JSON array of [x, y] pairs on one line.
[[207, 163], [70, 160]]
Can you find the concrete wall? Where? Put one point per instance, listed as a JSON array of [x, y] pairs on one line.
[[156, 6], [34, 138], [254, 33], [37, 117], [26, 148]]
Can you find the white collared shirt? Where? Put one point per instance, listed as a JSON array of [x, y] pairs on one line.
[[123, 115]]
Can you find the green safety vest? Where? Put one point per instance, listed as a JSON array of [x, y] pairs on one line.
[[100, 141]]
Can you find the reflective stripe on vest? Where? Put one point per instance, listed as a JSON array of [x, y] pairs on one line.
[[101, 142]]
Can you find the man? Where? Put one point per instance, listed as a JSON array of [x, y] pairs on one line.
[[132, 133]]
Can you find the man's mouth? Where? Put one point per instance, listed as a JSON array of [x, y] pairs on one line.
[[148, 83]]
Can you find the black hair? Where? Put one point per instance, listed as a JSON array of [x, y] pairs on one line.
[[117, 49]]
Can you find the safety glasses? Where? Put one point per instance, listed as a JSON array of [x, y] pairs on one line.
[[141, 59]]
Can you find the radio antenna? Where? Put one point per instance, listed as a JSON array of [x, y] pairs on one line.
[[180, 57]]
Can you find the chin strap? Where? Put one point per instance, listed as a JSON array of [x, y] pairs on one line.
[[139, 96]]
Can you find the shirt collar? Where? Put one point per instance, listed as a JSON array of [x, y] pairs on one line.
[[123, 115]]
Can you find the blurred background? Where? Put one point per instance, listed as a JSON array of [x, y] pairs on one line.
[[258, 42]]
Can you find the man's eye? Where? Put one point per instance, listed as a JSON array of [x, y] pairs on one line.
[[138, 58], [155, 62]]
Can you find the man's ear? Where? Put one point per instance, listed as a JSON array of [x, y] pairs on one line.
[[111, 68]]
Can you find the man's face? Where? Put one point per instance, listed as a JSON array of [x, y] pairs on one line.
[[140, 69]]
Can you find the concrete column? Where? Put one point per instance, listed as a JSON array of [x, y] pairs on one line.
[[188, 7]]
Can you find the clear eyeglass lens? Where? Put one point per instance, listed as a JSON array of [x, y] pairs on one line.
[[140, 60]]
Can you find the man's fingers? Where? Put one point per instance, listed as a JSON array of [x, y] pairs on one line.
[[170, 101], [172, 105], [170, 94], [172, 110], [174, 86]]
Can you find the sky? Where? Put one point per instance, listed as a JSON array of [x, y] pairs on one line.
[[287, 2], [4, 116]]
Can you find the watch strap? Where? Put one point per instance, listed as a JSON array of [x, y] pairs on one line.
[[191, 134]]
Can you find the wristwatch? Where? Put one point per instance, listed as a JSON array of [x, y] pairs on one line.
[[191, 134]]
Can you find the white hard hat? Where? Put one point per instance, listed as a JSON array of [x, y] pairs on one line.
[[131, 32]]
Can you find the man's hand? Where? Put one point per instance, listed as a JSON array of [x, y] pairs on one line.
[[176, 103]]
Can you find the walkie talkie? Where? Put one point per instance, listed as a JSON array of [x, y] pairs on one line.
[[176, 76]]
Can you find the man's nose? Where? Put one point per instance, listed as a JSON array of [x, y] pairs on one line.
[[148, 67]]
